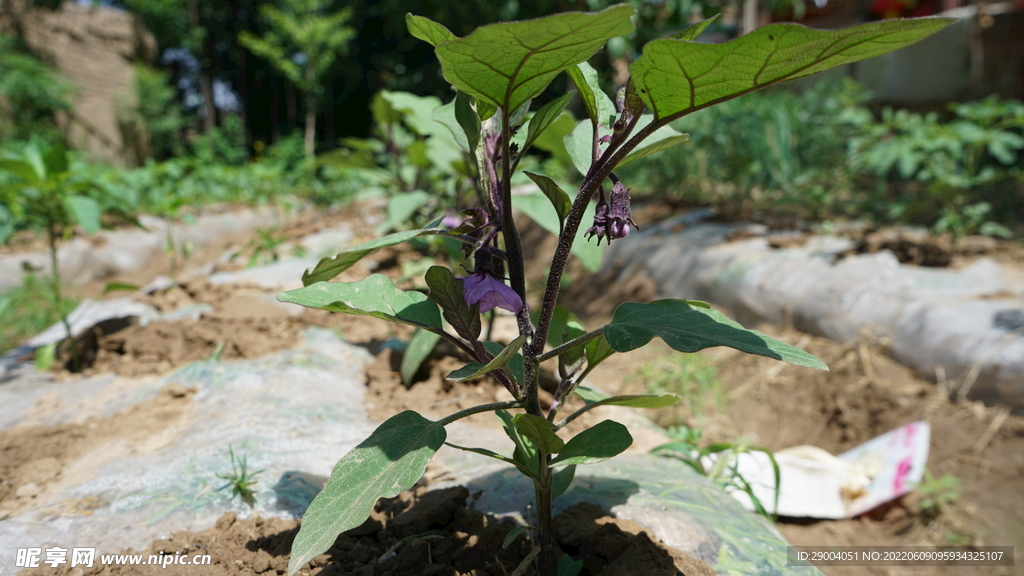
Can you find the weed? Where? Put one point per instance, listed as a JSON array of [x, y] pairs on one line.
[[935, 495], [240, 480], [691, 377], [28, 310]]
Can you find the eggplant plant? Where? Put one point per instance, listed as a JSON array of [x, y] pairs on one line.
[[496, 71]]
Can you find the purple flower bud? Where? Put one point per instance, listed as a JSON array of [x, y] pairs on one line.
[[490, 292], [612, 219]]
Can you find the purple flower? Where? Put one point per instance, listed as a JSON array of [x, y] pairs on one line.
[[490, 292], [612, 220]]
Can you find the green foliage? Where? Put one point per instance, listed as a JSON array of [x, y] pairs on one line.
[[936, 495], [691, 377], [240, 479], [719, 462], [224, 145], [497, 70], [30, 94], [961, 167], [391, 460], [28, 310], [159, 110]]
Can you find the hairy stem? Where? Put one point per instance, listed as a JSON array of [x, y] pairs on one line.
[[570, 345], [478, 409], [598, 172], [543, 493]]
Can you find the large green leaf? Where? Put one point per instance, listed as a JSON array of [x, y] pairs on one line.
[[689, 328], [374, 296], [675, 77], [475, 369], [508, 63], [551, 140], [596, 444], [447, 291], [330, 267], [391, 460], [85, 211], [419, 348], [402, 206], [561, 479], [538, 207]]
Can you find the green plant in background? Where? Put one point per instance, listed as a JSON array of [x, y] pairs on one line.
[[691, 377], [936, 495], [303, 42], [30, 95], [969, 168], [719, 462], [240, 479], [28, 310], [44, 195], [497, 70], [778, 149]]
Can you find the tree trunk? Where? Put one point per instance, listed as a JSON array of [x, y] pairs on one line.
[[205, 84], [310, 95]]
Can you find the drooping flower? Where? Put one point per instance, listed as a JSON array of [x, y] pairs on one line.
[[612, 220], [481, 287]]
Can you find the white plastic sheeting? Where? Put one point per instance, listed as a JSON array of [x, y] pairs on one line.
[[968, 321]]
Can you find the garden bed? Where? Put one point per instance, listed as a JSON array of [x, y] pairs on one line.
[[865, 394]]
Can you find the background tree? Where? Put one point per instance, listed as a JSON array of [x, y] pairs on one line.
[[303, 42]]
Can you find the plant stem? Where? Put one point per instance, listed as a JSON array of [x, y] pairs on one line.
[[543, 496], [476, 410], [570, 345], [58, 298]]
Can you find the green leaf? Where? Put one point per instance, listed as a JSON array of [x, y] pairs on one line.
[[7, 224], [592, 397], [120, 286], [374, 296], [568, 567], [447, 291], [85, 211], [526, 455], [600, 108], [330, 267], [513, 534], [45, 356], [383, 113], [508, 63], [662, 139], [551, 140], [391, 460], [596, 444], [56, 159], [689, 328], [693, 31], [543, 119], [597, 350], [496, 456], [559, 199], [675, 77], [461, 120], [20, 168], [538, 207], [419, 348], [580, 145], [561, 479], [475, 369], [515, 366], [403, 205], [539, 431], [427, 30]]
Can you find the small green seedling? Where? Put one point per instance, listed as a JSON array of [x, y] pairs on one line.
[[496, 71], [240, 480], [936, 495]]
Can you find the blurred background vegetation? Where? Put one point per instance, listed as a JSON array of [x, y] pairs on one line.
[[253, 100]]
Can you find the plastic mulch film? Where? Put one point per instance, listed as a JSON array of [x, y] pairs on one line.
[[969, 321], [291, 414]]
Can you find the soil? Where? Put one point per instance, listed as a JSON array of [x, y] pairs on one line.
[[417, 533], [772, 404]]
